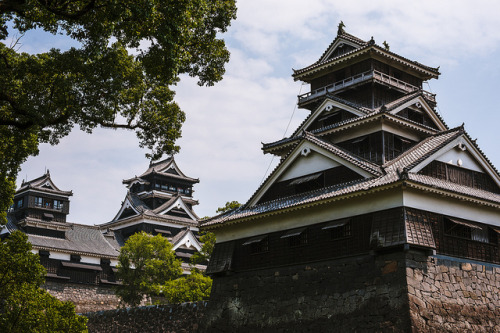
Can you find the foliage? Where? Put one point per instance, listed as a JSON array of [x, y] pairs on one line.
[[191, 288], [230, 205], [202, 256], [43, 96], [24, 307], [145, 263]]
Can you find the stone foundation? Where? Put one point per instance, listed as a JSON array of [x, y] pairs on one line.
[[87, 298], [391, 292], [453, 295], [154, 318], [363, 293]]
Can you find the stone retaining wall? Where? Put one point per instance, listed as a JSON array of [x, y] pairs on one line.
[[453, 295], [86, 298], [154, 318], [391, 292], [363, 293]]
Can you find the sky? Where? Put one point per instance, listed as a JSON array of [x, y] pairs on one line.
[[256, 101]]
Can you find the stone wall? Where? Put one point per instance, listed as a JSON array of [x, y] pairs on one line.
[[363, 293], [392, 292], [86, 298], [453, 295], [154, 318]]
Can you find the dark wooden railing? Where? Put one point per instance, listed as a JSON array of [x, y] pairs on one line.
[[359, 78]]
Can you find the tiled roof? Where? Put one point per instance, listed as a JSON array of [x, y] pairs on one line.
[[38, 183], [346, 36], [349, 123], [364, 49], [344, 154], [393, 171], [79, 239], [424, 149], [156, 167]]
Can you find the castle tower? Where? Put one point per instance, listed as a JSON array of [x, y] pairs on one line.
[[374, 199], [160, 201], [41, 199]]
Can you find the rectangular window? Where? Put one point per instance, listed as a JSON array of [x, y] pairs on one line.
[[296, 237], [38, 201], [75, 258], [58, 204], [467, 230], [259, 244], [19, 203], [339, 229]]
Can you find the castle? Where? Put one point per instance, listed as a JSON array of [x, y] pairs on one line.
[[378, 217], [81, 259]]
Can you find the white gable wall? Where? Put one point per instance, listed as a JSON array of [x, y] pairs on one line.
[[455, 155], [305, 165]]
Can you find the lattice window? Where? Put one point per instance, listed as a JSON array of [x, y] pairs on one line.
[[296, 237], [339, 229], [259, 244]]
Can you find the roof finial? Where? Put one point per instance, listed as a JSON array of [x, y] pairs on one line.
[[340, 29], [386, 45], [372, 41]]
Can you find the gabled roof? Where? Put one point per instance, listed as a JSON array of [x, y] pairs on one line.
[[342, 37], [364, 48], [387, 112], [79, 239], [401, 170], [167, 167], [177, 201], [187, 238], [133, 202], [342, 156], [43, 183]]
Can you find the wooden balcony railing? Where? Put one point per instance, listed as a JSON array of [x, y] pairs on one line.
[[371, 75]]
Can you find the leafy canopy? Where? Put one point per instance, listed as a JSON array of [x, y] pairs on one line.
[[43, 96], [230, 205], [24, 306], [191, 288], [145, 264]]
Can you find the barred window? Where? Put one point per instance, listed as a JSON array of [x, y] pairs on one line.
[[296, 237], [259, 244], [467, 230], [339, 229]]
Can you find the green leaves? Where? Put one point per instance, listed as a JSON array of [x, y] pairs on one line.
[[24, 307], [43, 96], [145, 264], [191, 288]]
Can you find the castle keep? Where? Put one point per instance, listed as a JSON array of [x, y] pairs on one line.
[[378, 216]]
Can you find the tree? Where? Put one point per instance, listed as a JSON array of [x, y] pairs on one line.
[[24, 306], [145, 264], [202, 256], [230, 205], [191, 288], [43, 96]]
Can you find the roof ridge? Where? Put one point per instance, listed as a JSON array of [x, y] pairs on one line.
[[359, 161]]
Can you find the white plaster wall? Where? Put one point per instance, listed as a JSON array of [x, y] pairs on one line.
[[305, 165], [59, 255], [452, 207], [90, 260], [113, 262], [453, 155], [317, 214]]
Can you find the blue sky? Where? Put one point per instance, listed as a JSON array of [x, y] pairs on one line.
[[255, 101]]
